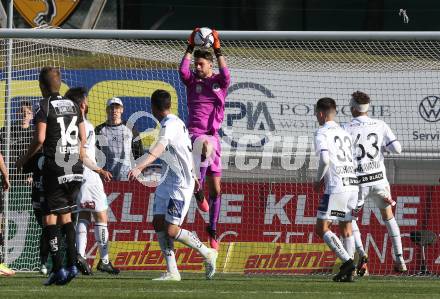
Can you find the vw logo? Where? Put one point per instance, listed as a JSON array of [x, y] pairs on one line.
[[429, 108]]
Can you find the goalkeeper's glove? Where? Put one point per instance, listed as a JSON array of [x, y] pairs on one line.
[[191, 43], [216, 45]]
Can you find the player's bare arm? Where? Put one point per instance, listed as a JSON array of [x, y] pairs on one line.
[[153, 154], [35, 146], [324, 162], [89, 163]]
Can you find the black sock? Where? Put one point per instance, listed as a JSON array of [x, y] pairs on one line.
[[52, 239], [44, 246], [69, 232]]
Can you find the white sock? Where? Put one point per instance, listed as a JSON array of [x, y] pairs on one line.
[[101, 237], [349, 246], [189, 239], [197, 156], [357, 239], [167, 246], [394, 232], [81, 236], [197, 162], [336, 246]]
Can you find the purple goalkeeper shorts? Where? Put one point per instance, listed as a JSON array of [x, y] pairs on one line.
[[214, 161]]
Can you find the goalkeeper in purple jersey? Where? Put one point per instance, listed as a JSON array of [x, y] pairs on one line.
[[206, 93]]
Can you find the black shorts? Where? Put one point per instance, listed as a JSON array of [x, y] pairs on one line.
[[60, 197]]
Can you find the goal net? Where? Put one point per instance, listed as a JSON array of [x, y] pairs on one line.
[[268, 205]]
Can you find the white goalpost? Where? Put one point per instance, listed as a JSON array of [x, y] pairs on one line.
[[268, 210]]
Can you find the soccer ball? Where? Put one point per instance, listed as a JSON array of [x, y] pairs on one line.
[[204, 38]]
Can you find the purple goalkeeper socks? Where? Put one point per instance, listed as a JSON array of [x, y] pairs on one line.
[[214, 211], [203, 171]]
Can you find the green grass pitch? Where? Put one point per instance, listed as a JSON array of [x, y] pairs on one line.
[[139, 285]]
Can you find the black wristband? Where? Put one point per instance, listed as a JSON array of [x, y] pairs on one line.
[[190, 49], [218, 52]]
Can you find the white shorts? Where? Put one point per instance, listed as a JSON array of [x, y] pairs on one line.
[[175, 210], [337, 206], [92, 198], [378, 193]]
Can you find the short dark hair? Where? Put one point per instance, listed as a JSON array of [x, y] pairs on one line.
[[325, 104], [50, 78], [161, 99], [361, 97], [199, 53], [26, 103], [77, 94]]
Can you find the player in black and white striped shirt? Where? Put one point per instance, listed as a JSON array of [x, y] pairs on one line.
[[59, 123], [60, 133]]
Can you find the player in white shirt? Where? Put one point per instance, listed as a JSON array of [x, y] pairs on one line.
[[336, 170], [173, 195], [91, 197], [371, 138]]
